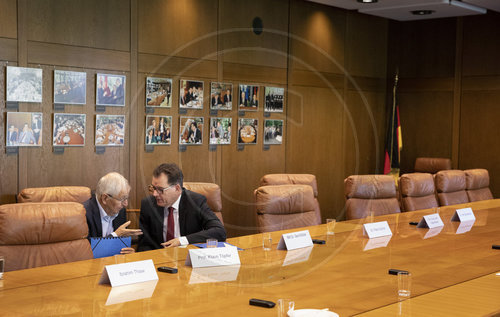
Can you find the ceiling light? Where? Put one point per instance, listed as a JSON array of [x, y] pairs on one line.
[[367, 1], [422, 12]]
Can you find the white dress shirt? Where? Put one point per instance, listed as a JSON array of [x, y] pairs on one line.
[[106, 222], [177, 231]]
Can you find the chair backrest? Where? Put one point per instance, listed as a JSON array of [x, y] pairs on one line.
[[282, 207], [477, 182], [370, 195], [450, 187], [417, 191], [290, 179], [77, 194], [211, 192], [432, 164], [39, 234]]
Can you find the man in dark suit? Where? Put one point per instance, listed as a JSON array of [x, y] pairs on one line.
[[11, 136], [194, 135], [105, 211], [175, 216]]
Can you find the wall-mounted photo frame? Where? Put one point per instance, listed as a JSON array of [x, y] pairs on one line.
[[158, 92], [248, 97], [24, 84], [248, 130], [274, 97], [220, 130], [158, 130], [24, 129], [190, 94], [110, 90], [221, 96], [70, 87], [273, 131], [69, 129], [191, 130], [110, 130]]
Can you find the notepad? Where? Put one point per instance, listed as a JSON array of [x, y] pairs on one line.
[[219, 245], [103, 247]]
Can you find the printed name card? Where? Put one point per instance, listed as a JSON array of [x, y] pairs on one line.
[[295, 240], [430, 221], [463, 215], [128, 273], [377, 229], [213, 257]]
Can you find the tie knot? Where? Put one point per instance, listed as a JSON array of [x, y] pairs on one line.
[[170, 209]]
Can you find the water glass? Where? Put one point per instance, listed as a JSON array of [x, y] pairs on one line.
[[212, 243], [330, 226], [285, 306], [404, 284], [267, 241]]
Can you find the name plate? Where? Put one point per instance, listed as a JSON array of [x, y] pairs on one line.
[[213, 257], [375, 243], [128, 293], [297, 256], [465, 226], [430, 221], [377, 229], [214, 274], [295, 240], [128, 273], [464, 215], [433, 232]]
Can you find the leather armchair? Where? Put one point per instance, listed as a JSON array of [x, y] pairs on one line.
[[477, 182], [417, 191], [52, 194], [370, 194], [432, 164], [39, 234], [450, 186], [285, 207], [211, 192]]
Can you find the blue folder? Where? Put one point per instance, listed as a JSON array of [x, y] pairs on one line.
[[103, 247]]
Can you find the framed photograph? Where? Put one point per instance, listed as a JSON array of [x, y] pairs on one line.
[[191, 94], [220, 130], [69, 129], [249, 98], [158, 92], [274, 97], [247, 130], [221, 96], [24, 129], [110, 90], [273, 131], [191, 130], [70, 87], [24, 84], [158, 130], [109, 130]]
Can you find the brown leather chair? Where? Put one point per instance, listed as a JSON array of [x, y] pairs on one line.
[[477, 182], [282, 207], [432, 164], [39, 234], [370, 194], [304, 179], [77, 194], [450, 186], [417, 191], [211, 192]]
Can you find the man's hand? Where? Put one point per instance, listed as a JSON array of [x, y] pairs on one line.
[[127, 250], [172, 243], [122, 230]]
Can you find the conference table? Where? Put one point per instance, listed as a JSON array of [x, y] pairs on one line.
[[453, 274]]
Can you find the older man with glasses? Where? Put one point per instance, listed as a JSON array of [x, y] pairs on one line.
[[174, 216], [106, 213]]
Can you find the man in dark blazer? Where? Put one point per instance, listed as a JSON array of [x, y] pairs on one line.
[[105, 211], [175, 216]]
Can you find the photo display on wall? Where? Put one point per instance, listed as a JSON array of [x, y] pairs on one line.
[[158, 92], [191, 94], [158, 130], [274, 99], [221, 96], [273, 131], [191, 130], [70, 87], [110, 130], [249, 98], [24, 84], [247, 130], [220, 130], [69, 129], [24, 129], [110, 90]]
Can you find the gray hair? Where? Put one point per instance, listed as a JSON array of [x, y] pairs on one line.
[[112, 184]]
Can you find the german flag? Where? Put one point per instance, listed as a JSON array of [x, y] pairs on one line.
[[394, 140]]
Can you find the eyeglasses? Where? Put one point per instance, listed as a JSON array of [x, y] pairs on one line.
[[122, 200], [158, 189]]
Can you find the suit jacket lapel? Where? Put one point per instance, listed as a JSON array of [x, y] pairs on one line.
[[182, 213], [96, 216], [160, 215]]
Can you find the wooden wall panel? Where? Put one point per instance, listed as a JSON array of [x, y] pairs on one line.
[[8, 19], [177, 66], [89, 23], [8, 50]]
